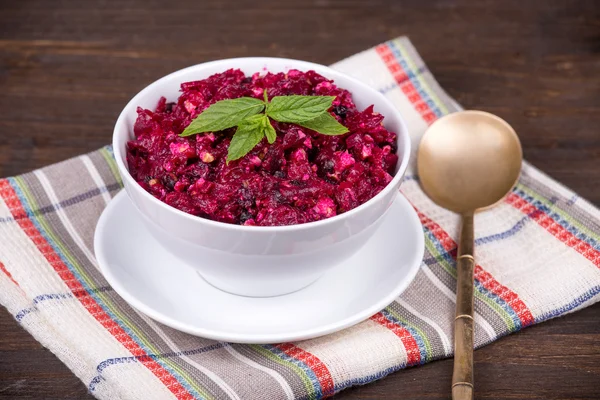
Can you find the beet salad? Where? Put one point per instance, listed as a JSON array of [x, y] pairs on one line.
[[275, 173]]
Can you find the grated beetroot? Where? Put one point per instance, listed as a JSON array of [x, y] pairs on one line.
[[304, 176]]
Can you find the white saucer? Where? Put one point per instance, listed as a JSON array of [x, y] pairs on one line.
[[168, 291]]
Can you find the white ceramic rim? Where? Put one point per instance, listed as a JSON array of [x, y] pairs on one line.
[[265, 338], [227, 63]]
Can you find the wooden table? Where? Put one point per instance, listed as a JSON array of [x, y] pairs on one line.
[[68, 67]]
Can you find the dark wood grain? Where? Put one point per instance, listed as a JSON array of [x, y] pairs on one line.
[[68, 67]]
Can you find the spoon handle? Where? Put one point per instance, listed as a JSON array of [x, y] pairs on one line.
[[462, 377]]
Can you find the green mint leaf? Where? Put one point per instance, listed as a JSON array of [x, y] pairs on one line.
[[248, 134], [224, 114], [269, 131], [296, 109], [325, 124]]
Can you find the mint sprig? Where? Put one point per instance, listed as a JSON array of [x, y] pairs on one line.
[[252, 125]]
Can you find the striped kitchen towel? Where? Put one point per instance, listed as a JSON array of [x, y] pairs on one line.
[[538, 257]]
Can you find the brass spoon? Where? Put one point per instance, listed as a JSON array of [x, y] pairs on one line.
[[467, 161]]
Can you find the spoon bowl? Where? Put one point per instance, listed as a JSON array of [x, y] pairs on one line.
[[469, 160]]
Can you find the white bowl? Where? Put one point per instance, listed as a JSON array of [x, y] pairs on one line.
[[250, 260]]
